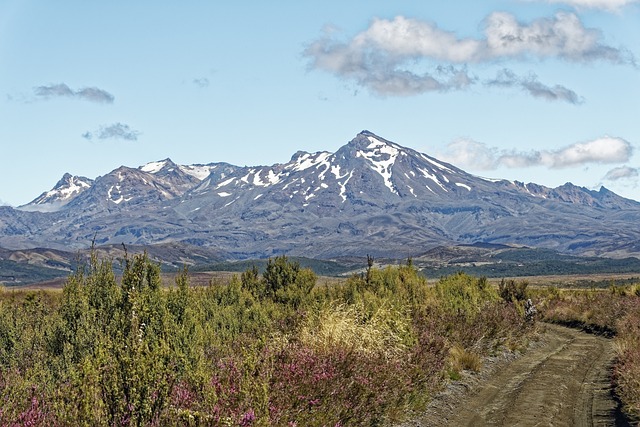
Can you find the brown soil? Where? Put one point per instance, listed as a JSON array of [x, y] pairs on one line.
[[564, 380]]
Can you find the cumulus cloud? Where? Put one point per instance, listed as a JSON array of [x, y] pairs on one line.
[[550, 93], [387, 57], [602, 150], [621, 173], [535, 88], [92, 94], [381, 70], [479, 156], [562, 36], [53, 91], [114, 131], [467, 152], [611, 5]]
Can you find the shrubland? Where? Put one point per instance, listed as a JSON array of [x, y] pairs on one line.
[[261, 349]]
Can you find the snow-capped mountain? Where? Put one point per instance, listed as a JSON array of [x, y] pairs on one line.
[[370, 196], [68, 188], [150, 183], [368, 171]]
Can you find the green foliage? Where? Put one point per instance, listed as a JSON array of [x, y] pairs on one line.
[[270, 349], [318, 266], [120, 333], [512, 291], [283, 281], [464, 293]]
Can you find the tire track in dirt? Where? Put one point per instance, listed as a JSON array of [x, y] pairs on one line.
[[565, 382]]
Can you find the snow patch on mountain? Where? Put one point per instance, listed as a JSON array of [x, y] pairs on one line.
[[343, 187], [153, 167], [432, 177], [382, 157], [60, 195], [76, 186], [305, 161], [200, 172], [436, 164]]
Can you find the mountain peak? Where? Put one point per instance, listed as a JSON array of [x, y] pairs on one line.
[[65, 178], [65, 190], [367, 141], [155, 167], [367, 133]]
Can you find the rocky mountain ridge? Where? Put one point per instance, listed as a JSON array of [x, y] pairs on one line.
[[370, 196]]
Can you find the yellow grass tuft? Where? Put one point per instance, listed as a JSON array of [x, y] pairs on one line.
[[346, 326], [461, 359]]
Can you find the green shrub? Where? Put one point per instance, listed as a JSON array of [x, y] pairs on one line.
[[255, 350], [464, 293], [512, 291]]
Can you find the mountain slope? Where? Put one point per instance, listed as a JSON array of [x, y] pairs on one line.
[[68, 188], [370, 196]]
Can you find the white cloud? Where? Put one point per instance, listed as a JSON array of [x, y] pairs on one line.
[[478, 156], [390, 57], [602, 150], [622, 172], [550, 93], [92, 94], [381, 71], [537, 89], [562, 36], [611, 5], [469, 153], [405, 37], [114, 131]]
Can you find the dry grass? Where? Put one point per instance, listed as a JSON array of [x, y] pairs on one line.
[[348, 327], [461, 359]]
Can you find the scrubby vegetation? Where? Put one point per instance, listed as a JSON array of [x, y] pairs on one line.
[[263, 349], [614, 312]]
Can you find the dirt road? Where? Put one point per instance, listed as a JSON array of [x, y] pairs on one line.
[[563, 382]]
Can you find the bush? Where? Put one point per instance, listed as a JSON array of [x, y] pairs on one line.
[[463, 293], [512, 291], [283, 281], [256, 350]]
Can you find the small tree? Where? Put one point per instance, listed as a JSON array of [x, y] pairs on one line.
[[283, 281], [370, 261], [250, 280], [512, 291]]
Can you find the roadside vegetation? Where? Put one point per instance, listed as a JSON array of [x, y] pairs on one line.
[[274, 348], [261, 349], [613, 312]]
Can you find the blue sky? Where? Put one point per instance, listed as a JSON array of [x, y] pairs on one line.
[[540, 91]]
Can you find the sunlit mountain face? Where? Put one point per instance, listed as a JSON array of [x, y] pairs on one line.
[[370, 196]]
